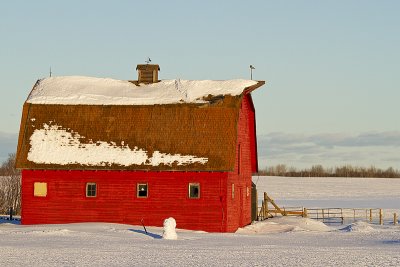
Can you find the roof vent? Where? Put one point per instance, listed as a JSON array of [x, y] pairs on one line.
[[147, 73]]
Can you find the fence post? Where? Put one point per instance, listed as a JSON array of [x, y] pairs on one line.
[[370, 215], [395, 218], [341, 214], [380, 217], [266, 205], [11, 213], [257, 215], [305, 215], [263, 210]]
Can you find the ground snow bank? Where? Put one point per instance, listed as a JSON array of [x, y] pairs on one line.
[[359, 226], [105, 244], [284, 224]]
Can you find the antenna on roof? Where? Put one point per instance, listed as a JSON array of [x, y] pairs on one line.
[[50, 71], [251, 71], [148, 60]]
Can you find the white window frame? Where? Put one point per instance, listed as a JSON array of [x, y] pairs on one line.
[[87, 187]]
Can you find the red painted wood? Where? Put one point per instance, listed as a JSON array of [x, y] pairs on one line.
[[251, 113], [116, 201], [239, 207]]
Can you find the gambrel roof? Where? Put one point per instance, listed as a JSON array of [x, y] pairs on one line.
[[94, 123]]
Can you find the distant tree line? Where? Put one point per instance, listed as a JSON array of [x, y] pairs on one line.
[[320, 171], [10, 187]]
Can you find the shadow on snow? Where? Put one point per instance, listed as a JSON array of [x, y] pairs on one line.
[[155, 236]]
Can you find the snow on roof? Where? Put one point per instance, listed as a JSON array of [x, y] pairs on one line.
[[79, 90], [55, 145]]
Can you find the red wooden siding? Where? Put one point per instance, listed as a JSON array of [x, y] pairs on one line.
[[117, 200], [252, 133], [239, 207]]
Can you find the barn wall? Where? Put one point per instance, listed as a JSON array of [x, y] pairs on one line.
[[116, 200], [251, 114], [239, 206]]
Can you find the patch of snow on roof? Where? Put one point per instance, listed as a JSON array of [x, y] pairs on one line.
[[55, 145], [79, 90]]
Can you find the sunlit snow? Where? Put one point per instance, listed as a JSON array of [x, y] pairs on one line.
[[79, 90], [55, 145], [293, 241]]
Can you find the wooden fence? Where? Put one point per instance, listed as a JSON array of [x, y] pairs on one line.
[[10, 218], [326, 215], [343, 215]]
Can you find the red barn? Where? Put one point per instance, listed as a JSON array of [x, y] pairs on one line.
[[104, 150]]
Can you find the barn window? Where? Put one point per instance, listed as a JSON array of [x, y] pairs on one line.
[[142, 190], [194, 190], [40, 189], [233, 191], [91, 190]]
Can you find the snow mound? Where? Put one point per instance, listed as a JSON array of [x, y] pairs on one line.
[[284, 224], [169, 229], [265, 227], [359, 226], [306, 224]]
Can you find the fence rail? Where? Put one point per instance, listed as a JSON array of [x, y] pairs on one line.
[[342, 215]]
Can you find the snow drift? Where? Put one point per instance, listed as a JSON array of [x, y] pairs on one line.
[[359, 226], [284, 224]]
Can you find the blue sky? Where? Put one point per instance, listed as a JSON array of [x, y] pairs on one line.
[[331, 67]]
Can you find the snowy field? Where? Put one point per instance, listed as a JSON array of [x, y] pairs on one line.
[[285, 241], [312, 192]]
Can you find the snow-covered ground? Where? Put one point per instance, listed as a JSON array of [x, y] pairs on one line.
[[287, 241], [312, 192]]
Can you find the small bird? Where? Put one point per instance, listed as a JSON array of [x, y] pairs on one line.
[[251, 67], [148, 60]]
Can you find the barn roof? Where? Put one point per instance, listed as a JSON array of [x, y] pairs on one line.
[[79, 90], [94, 123]]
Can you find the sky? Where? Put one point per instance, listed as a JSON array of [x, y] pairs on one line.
[[331, 67]]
